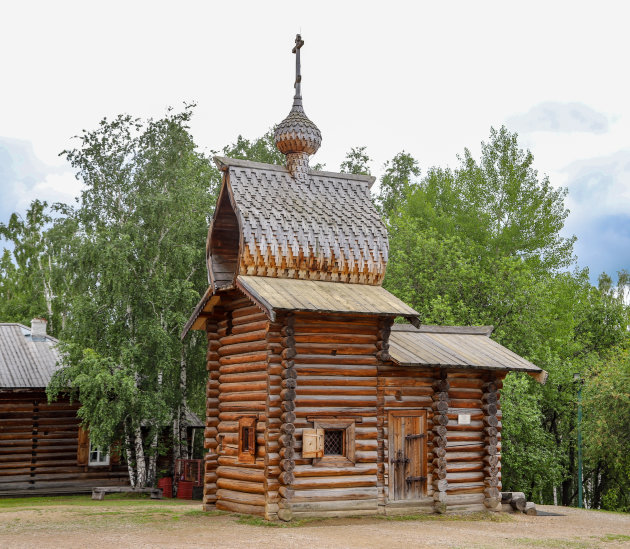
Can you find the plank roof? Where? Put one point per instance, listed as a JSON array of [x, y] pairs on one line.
[[454, 346], [280, 294], [24, 362], [323, 228]]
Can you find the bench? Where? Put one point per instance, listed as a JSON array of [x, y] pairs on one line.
[[99, 492]]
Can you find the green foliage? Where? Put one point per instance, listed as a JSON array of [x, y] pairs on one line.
[[530, 457], [136, 259], [481, 245], [25, 274], [606, 425], [262, 149], [356, 162], [398, 181]]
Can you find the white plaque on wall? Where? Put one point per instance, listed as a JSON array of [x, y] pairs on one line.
[[463, 419]]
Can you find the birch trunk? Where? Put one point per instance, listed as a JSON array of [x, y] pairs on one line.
[[130, 469], [141, 464], [152, 470]]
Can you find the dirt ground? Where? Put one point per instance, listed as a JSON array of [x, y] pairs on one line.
[[77, 522]]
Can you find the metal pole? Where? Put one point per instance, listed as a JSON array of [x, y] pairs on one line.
[[579, 426]]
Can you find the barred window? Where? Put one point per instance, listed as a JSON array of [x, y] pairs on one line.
[[333, 442], [338, 442]]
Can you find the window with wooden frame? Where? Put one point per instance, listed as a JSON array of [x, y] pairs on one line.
[[98, 455], [338, 442], [247, 439]]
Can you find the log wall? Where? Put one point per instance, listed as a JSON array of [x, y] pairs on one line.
[[463, 460], [38, 448], [304, 369], [468, 450], [238, 360], [336, 367]]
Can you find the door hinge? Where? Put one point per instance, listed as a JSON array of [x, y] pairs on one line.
[[411, 437], [409, 480]]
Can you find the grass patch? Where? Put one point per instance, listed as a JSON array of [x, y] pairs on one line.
[[251, 520], [484, 516], [554, 543], [616, 537], [121, 500]]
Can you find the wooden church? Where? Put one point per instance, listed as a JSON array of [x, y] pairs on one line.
[[318, 404]]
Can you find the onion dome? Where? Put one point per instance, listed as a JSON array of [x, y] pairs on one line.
[[297, 133], [296, 136]]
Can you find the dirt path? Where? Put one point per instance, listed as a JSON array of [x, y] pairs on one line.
[[168, 524]]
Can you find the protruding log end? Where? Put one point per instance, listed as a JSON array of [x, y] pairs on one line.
[[530, 509], [285, 514], [540, 377]]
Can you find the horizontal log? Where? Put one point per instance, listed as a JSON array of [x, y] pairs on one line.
[[242, 396], [506, 497], [249, 327], [240, 486], [243, 472], [242, 337], [244, 509], [335, 494], [243, 377]]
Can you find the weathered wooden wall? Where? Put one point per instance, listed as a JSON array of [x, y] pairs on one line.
[[237, 387], [38, 448], [307, 367], [336, 365], [403, 389], [463, 467]]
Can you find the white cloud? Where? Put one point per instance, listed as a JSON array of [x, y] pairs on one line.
[[553, 116]]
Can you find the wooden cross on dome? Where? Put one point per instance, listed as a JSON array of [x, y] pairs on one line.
[[298, 76]]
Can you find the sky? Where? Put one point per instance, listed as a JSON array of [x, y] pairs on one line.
[[429, 78]]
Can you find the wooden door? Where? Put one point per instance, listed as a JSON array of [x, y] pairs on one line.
[[407, 455]]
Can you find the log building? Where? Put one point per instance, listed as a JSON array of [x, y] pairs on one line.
[[317, 403], [43, 450]]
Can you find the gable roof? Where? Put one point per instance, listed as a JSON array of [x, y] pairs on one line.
[[455, 346], [25, 363], [325, 228]]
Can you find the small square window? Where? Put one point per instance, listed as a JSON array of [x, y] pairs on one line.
[[338, 442]]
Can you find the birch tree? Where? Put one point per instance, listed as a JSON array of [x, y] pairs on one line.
[[138, 264]]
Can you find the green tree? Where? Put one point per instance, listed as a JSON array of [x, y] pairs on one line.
[[399, 180], [138, 270], [481, 244], [606, 433], [262, 149], [31, 285], [356, 162]]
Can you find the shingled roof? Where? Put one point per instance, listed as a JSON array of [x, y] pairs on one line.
[[325, 228], [24, 362], [455, 346]]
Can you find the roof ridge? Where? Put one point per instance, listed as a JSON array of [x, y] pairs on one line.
[[436, 329], [225, 162], [48, 336]]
